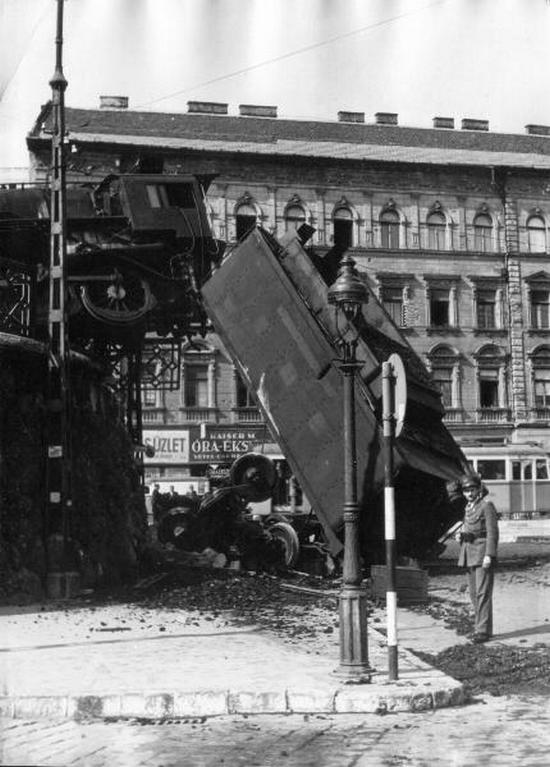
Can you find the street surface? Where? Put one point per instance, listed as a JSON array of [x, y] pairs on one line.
[[505, 729], [497, 732]]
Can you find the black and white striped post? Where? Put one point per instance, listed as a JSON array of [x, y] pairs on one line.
[[388, 423]]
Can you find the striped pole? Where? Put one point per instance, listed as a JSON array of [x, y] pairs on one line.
[[388, 420]]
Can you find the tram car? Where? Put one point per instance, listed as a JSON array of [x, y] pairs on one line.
[[138, 249]]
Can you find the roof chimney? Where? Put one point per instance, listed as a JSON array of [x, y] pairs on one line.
[[469, 124], [538, 130], [256, 110], [113, 102], [351, 117], [385, 118], [207, 107], [444, 122]]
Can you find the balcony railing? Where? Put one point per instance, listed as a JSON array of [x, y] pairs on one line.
[[493, 415], [153, 415], [540, 414], [454, 415], [247, 415], [199, 414]]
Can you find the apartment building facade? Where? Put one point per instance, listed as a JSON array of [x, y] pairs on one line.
[[449, 226]]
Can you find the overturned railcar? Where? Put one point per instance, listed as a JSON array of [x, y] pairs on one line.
[[268, 301]]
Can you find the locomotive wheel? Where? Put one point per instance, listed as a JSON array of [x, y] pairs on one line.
[[284, 532], [121, 301]]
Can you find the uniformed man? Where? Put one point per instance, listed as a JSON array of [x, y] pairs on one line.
[[478, 551]]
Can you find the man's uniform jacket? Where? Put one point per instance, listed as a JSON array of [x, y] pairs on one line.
[[480, 520]]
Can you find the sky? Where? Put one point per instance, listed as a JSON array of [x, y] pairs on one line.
[[486, 59]]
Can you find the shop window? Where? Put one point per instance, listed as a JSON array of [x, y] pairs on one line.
[[343, 228], [536, 234], [389, 229], [245, 220], [483, 233], [436, 231], [294, 217]]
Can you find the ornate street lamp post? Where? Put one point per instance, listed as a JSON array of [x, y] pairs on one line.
[[347, 294]]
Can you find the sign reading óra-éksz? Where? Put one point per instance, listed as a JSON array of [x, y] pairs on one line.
[[211, 444], [171, 445]]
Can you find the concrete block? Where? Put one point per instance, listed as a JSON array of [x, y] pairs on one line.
[[39, 707], [257, 703], [304, 701], [6, 706], [155, 706], [359, 699], [86, 706], [453, 695], [207, 703]]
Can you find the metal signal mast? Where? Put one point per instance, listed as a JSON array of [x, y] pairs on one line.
[[58, 482]]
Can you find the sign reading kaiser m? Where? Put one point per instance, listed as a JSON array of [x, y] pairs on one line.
[[223, 444], [171, 445]]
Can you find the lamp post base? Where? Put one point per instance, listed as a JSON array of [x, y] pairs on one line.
[[354, 665]]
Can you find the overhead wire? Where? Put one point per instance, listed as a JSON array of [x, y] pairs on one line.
[[290, 54]]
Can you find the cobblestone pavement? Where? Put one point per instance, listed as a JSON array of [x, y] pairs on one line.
[[494, 732]]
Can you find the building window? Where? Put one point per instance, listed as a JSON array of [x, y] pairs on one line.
[[439, 308], [443, 363], [443, 379], [483, 233], [486, 309], [170, 195], [491, 378], [244, 396], [488, 388], [540, 361], [436, 231], [294, 217], [343, 228], [392, 301], [540, 309], [245, 219], [536, 234], [389, 229], [196, 386]]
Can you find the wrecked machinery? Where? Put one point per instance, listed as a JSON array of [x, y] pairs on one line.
[[268, 301]]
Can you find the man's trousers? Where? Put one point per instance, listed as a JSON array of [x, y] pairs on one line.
[[480, 580]]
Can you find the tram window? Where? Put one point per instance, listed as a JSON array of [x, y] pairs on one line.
[[528, 470], [516, 469], [541, 468], [492, 469]]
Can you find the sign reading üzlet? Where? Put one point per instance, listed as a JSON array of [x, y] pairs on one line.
[[171, 446]]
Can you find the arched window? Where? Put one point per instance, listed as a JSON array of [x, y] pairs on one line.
[[342, 220], [444, 369], [245, 218], [389, 229], [491, 375], [436, 231], [536, 234], [483, 233], [294, 217]]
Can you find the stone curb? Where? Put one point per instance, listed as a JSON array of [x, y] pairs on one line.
[[351, 699]]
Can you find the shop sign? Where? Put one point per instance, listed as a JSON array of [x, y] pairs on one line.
[[215, 445], [171, 446]]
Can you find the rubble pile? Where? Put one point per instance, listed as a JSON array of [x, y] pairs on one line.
[[499, 670]]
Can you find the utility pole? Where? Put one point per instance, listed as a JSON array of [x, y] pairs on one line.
[[58, 467]]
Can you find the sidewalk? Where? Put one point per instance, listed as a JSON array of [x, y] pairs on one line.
[[123, 661]]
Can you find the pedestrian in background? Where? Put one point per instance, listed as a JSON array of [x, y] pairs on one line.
[[478, 551]]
